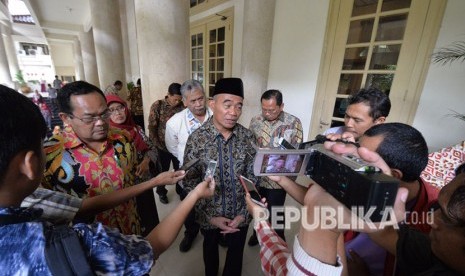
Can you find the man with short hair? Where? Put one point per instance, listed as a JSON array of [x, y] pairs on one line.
[[114, 88], [90, 158], [223, 140], [406, 153], [160, 112], [316, 249], [366, 108], [178, 129], [52, 94], [23, 238], [57, 83], [269, 127]]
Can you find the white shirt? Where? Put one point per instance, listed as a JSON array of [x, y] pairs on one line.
[[178, 129]]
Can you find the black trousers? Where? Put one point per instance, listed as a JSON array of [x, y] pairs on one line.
[[192, 227], [275, 197], [165, 160], [234, 255], [147, 209]]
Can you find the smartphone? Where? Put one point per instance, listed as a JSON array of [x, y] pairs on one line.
[[285, 144], [210, 169], [248, 185], [188, 165]]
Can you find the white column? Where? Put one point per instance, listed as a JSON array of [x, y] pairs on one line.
[[131, 54], [5, 76], [162, 38], [107, 38], [88, 57], [256, 52], [78, 65], [10, 50], [125, 40]]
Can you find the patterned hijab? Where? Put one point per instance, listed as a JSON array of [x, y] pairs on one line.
[[129, 124]]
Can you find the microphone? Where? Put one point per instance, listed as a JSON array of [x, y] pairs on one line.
[[321, 139]]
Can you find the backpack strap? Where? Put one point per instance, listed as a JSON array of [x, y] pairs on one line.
[[64, 252]]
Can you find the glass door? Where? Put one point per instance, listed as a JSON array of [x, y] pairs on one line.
[[211, 45], [375, 43]]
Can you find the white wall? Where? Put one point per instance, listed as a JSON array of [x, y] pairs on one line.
[[444, 88], [297, 46], [63, 58]]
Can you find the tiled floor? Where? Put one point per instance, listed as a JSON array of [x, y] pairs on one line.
[[173, 262]]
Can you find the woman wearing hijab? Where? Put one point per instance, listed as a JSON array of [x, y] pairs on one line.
[[147, 158]]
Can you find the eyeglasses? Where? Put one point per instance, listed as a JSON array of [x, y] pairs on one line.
[[116, 109], [89, 120]]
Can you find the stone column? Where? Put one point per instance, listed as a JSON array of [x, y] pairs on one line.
[[256, 52], [88, 57], [78, 65], [5, 76], [107, 38], [10, 50], [162, 38], [130, 36]]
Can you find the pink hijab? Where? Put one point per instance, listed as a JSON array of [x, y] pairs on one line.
[[128, 125]]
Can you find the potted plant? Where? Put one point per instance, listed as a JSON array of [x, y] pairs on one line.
[[25, 89], [453, 52]]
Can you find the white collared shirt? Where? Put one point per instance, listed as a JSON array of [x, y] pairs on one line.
[[178, 129]]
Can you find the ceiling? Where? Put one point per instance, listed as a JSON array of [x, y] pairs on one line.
[[60, 19]]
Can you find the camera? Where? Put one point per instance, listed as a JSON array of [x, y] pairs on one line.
[[347, 178], [352, 182]]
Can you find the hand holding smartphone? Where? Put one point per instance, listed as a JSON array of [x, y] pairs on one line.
[[210, 169], [249, 187], [285, 144]]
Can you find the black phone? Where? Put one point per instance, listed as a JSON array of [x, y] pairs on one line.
[[285, 144], [248, 185], [189, 164]]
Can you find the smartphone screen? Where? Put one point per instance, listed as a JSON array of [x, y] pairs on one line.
[[210, 169], [249, 186]]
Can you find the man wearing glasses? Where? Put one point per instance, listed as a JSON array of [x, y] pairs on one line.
[[88, 158], [269, 126]]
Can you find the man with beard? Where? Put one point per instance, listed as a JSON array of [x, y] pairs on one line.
[[178, 129]]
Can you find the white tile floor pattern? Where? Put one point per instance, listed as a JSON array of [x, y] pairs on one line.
[[173, 262]]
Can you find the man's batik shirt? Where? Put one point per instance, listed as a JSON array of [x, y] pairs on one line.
[[235, 157], [268, 134]]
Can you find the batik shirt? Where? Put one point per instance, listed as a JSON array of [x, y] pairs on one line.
[[135, 97], [73, 168], [160, 112], [235, 157], [111, 90], [268, 134], [108, 252]]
